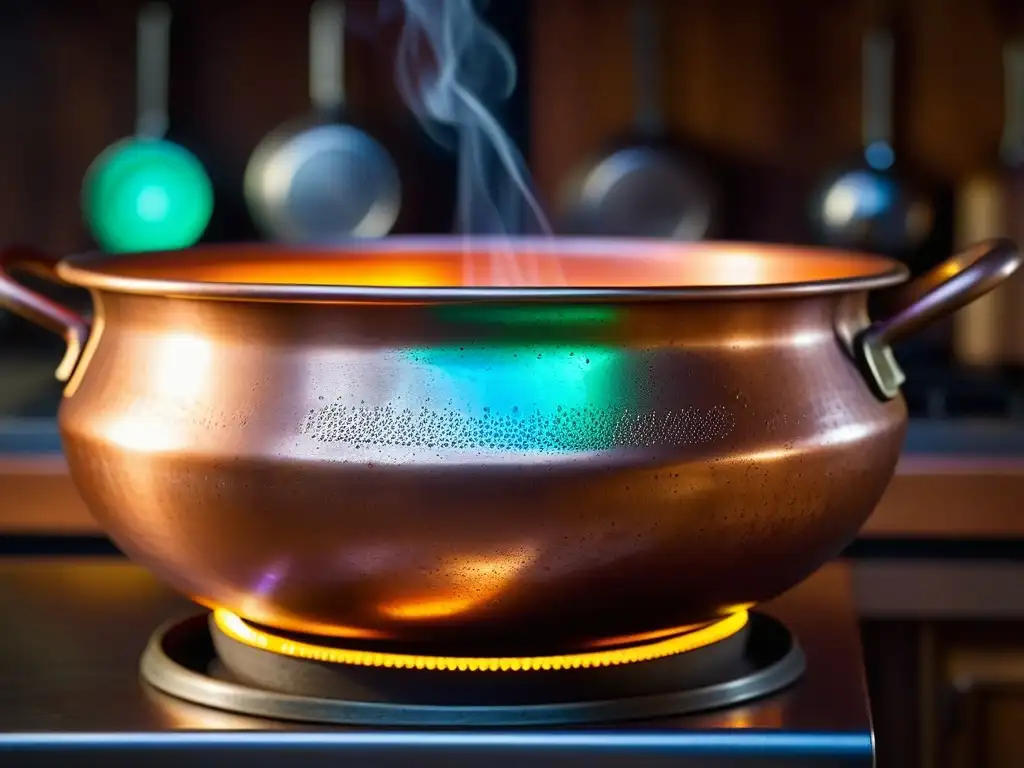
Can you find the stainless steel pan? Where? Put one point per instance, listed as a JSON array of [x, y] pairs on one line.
[[323, 178], [647, 185]]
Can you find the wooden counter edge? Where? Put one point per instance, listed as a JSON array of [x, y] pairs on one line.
[[930, 497]]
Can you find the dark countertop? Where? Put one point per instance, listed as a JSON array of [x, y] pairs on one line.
[[71, 684]]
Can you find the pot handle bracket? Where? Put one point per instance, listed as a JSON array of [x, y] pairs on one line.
[[942, 290], [74, 328]]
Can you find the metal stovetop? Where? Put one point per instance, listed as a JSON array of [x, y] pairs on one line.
[[70, 694]]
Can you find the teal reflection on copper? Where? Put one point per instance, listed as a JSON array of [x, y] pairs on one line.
[[531, 316], [535, 398]]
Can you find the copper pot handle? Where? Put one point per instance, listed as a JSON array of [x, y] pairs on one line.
[[944, 289], [37, 308]]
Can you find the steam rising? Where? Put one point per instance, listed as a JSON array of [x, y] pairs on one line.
[[452, 69]]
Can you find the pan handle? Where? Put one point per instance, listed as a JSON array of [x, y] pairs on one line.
[[944, 289], [37, 308]]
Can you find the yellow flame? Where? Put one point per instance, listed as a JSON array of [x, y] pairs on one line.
[[237, 629]]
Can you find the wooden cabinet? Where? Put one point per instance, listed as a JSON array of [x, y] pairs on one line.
[[947, 694], [979, 678]]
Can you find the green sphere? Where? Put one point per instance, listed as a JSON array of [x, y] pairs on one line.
[[147, 195]]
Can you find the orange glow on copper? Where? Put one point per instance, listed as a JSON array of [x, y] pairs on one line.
[[332, 630], [609, 264], [306, 627], [237, 629], [842, 435], [427, 609], [387, 272], [203, 602], [470, 582]]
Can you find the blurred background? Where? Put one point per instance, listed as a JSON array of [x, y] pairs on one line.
[[769, 97], [772, 99]]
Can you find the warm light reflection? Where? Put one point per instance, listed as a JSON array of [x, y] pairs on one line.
[[470, 581], [203, 601], [947, 269], [102, 584], [739, 718], [848, 433], [136, 430], [237, 629], [178, 714], [739, 267], [182, 364], [801, 339], [769, 714], [429, 608], [553, 264], [253, 611], [384, 272]]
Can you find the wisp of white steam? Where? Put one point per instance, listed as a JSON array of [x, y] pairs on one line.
[[450, 64]]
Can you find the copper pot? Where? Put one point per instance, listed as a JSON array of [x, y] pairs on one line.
[[341, 442]]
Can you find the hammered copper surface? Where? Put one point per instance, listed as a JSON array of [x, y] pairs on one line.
[[482, 475]]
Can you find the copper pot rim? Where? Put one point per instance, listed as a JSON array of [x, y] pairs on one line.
[[866, 271]]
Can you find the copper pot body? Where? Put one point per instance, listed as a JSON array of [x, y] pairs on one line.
[[480, 470]]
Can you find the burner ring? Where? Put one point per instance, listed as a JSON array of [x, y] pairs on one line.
[[194, 661], [237, 629]]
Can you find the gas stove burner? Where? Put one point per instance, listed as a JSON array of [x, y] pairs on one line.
[[303, 646], [224, 662]]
